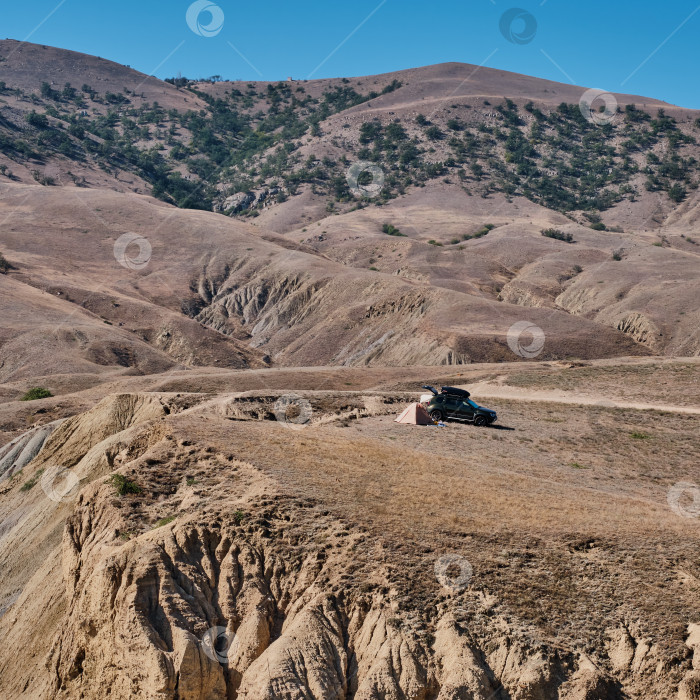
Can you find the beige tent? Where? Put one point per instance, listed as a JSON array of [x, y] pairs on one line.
[[415, 414]]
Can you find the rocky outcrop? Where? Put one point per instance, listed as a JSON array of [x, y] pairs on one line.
[[639, 327], [22, 450], [273, 308], [246, 592], [310, 407], [284, 627], [690, 685], [238, 202], [526, 294], [243, 201]]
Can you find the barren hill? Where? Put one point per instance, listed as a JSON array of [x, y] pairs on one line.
[[216, 291], [313, 280], [27, 66], [246, 147], [454, 80]]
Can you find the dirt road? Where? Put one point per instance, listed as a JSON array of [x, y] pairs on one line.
[[504, 391]]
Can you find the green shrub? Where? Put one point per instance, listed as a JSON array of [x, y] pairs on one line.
[[164, 521], [122, 485], [371, 131], [391, 230], [677, 193], [559, 235], [239, 517], [484, 230], [48, 93], [31, 483], [40, 121], [36, 393], [5, 265], [617, 255], [395, 132], [598, 226]]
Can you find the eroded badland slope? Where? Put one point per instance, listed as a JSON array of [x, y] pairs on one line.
[[318, 552]]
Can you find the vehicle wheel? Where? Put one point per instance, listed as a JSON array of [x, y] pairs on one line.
[[480, 421], [436, 416]]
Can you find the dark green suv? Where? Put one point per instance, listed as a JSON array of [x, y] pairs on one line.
[[455, 404]]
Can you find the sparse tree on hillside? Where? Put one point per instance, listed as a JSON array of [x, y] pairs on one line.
[[677, 192], [40, 121], [47, 92], [5, 265]]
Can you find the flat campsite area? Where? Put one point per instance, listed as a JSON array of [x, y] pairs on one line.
[[561, 507]]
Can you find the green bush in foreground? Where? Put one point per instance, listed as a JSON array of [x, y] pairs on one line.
[[122, 485], [36, 393]]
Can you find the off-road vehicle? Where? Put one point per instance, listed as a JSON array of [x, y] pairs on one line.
[[455, 404]]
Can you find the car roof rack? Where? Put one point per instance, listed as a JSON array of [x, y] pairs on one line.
[[452, 391]]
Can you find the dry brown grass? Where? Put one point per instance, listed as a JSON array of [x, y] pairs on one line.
[[676, 382], [561, 509], [563, 515]]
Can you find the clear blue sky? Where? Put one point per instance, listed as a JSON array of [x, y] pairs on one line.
[[641, 47]]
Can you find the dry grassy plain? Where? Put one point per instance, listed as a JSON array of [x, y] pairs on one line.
[[561, 509]]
